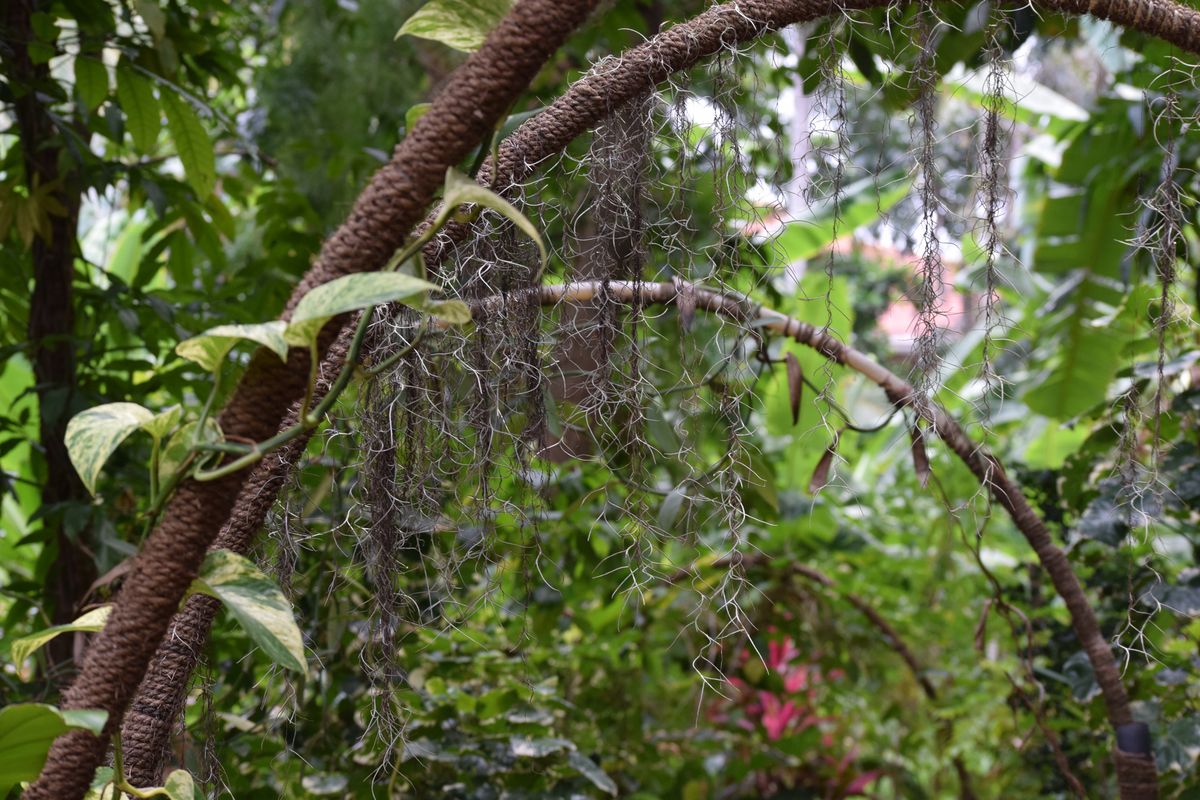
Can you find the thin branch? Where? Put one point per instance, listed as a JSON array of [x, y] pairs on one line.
[[986, 468]]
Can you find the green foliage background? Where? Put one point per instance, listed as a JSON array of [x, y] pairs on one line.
[[562, 681]]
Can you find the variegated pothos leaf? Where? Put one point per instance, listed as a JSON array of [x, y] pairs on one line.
[[93, 435]]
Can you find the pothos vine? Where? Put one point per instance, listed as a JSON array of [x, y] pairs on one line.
[[197, 448]]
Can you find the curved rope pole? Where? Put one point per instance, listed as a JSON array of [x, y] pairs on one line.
[[580, 108], [461, 116], [1136, 773], [615, 81]]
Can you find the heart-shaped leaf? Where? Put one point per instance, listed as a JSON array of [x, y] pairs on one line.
[[180, 786], [93, 435], [462, 191], [257, 604], [454, 312]]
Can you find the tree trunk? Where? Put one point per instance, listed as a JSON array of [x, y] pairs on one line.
[[71, 568]]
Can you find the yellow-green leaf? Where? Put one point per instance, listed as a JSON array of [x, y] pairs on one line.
[[102, 788], [460, 24], [163, 422], [462, 191], [859, 204], [455, 312], [91, 81], [90, 622], [93, 435], [142, 117], [350, 293], [209, 349], [179, 786], [257, 604], [192, 144], [179, 447], [414, 114]]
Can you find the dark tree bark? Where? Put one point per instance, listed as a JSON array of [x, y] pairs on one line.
[[71, 568]]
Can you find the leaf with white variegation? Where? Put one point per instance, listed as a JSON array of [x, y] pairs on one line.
[[462, 191], [460, 24], [180, 786], [351, 293], [257, 604], [90, 622], [209, 349], [93, 435], [163, 422]]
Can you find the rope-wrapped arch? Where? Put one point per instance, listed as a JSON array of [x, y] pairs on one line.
[[578, 110]]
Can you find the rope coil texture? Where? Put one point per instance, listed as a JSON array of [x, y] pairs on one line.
[[461, 116], [586, 103]]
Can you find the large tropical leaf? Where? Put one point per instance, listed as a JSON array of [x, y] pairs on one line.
[[861, 204], [26, 732], [257, 604]]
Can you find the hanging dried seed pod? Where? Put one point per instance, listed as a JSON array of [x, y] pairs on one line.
[[685, 302], [795, 377], [919, 456], [820, 476]]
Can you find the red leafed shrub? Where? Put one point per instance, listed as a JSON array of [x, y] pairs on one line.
[[786, 745]]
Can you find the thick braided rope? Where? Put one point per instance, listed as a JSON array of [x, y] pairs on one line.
[[1137, 776], [465, 111], [155, 710], [587, 101], [618, 80]]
